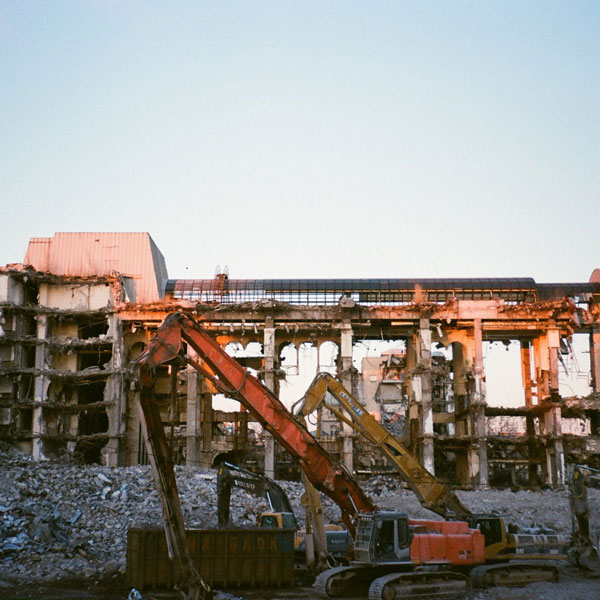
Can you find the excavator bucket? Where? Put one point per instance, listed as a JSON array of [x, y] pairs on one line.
[[589, 559]]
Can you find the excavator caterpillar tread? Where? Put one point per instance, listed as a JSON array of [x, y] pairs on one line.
[[409, 586], [513, 574], [347, 581]]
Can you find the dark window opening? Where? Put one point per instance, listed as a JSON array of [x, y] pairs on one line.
[[93, 329]]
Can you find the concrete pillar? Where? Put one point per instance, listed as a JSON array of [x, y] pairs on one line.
[[346, 378], [269, 354], [595, 358], [532, 450], [555, 456], [41, 385], [420, 413], [478, 465], [463, 425], [526, 372], [423, 393], [542, 367], [193, 411], [206, 424], [115, 394]]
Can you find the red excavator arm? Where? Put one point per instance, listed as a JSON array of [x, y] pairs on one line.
[[232, 379]]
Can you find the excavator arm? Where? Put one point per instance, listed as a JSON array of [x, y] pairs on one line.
[[432, 494], [233, 380], [230, 475], [583, 550]]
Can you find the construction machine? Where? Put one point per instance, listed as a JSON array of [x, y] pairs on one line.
[[389, 550], [503, 543], [582, 552], [280, 515]]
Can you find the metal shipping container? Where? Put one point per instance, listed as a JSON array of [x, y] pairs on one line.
[[223, 557]]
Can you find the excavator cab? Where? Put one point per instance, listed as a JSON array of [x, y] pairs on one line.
[[382, 537], [277, 520]]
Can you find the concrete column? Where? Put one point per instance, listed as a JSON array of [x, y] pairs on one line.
[[526, 372], [41, 385], [346, 378], [542, 367], [528, 391], [193, 411], [206, 423], [422, 390], [478, 465], [269, 354], [115, 394], [595, 358], [463, 425], [420, 414], [555, 456]]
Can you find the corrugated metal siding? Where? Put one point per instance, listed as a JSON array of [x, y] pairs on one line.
[[91, 254]]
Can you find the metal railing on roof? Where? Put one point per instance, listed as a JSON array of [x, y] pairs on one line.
[[370, 292]]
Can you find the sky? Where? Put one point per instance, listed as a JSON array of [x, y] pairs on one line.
[[308, 139]]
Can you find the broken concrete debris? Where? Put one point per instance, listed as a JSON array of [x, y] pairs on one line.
[[61, 520]]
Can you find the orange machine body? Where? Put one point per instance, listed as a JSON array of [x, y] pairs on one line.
[[452, 542]]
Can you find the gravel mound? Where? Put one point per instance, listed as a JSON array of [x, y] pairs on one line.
[[63, 521]]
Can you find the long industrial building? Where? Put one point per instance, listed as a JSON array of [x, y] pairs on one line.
[[82, 306]]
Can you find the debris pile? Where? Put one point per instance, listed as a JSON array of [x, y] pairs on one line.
[[59, 520]]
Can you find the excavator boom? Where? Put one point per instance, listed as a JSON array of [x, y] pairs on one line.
[[431, 493], [232, 379]]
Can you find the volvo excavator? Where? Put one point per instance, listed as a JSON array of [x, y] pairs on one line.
[[502, 541], [390, 550], [280, 516]]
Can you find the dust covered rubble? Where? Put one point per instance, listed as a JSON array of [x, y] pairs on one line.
[[62, 521]]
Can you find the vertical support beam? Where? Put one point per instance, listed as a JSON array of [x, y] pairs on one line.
[[595, 374], [40, 387], [421, 383], [346, 378], [532, 449], [114, 393], [526, 372], [460, 398], [595, 357], [269, 354], [194, 384], [412, 413], [206, 420], [478, 464], [555, 455]]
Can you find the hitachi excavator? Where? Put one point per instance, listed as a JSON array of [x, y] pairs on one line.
[[502, 542], [389, 548]]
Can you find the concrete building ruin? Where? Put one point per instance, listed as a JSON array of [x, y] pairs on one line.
[[83, 305]]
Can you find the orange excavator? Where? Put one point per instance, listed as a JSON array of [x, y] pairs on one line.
[[504, 544], [390, 550]]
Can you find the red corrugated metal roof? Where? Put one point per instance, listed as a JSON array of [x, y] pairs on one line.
[[87, 254]]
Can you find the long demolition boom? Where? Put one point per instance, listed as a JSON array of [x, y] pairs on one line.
[[230, 378], [432, 494]]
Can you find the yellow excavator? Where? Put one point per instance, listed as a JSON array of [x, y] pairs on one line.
[[503, 542], [583, 552]]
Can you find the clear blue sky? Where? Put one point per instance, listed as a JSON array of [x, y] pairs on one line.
[[308, 139]]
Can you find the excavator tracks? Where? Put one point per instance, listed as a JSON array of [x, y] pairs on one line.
[[346, 581], [513, 574], [409, 586]]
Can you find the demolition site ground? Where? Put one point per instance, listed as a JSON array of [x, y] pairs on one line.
[[63, 527]]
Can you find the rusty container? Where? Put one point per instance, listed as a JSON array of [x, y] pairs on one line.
[[239, 558]]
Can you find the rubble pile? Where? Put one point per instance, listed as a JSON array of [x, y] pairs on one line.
[[63, 521]]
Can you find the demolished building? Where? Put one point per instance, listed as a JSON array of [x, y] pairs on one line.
[[82, 306]]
